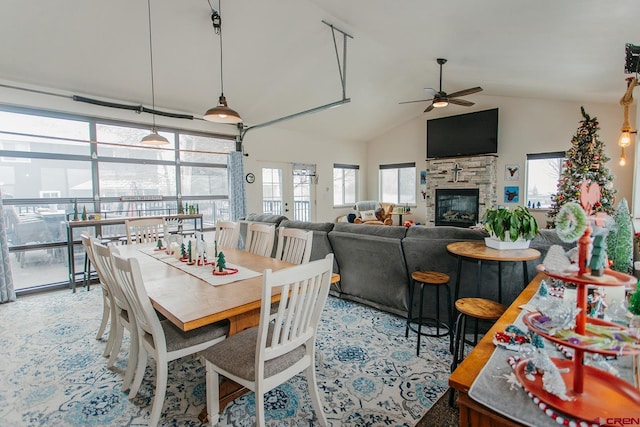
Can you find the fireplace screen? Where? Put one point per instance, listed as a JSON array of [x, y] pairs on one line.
[[457, 207]]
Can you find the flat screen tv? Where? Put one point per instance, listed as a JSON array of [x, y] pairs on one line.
[[463, 135]]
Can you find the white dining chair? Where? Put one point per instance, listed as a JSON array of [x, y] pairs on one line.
[[143, 230], [265, 356], [160, 339], [107, 298], [122, 317], [260, 239], [227, 234], [294, 245]]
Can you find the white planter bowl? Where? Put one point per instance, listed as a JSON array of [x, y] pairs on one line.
[[495, 243]]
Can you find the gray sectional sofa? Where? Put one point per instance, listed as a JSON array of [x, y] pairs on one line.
[[375, 262]]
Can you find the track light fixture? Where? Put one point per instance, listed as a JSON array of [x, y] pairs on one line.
[[221, 113]]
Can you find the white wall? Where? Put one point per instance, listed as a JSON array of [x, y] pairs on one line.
[[526, 125], [279, 145]]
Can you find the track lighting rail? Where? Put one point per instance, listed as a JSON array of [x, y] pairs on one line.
[[342, 71]]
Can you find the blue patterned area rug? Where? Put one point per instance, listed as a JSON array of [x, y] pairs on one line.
[[52, 372]]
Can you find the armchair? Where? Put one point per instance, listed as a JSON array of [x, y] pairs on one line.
[[381, 212]]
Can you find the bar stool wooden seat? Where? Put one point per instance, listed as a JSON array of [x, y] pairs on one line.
[[425, 279], [478, 309]]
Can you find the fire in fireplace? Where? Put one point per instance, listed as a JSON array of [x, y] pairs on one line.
[[457, 207]]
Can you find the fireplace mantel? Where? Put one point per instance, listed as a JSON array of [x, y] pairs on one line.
[[462, 172]]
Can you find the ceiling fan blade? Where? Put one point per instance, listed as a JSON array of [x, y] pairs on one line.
[[465, 92], [461, 102], [429, 108], [418, 100]]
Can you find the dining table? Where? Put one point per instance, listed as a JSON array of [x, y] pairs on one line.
[[189, 301], [184, 295]]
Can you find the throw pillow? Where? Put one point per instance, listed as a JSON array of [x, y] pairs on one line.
[[380, 214], [368, 216], [351, 217]]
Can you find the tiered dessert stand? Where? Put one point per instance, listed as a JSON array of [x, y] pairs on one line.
[[595, 395]]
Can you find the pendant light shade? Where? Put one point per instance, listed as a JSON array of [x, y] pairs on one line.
[[153, 138], [221, 113]]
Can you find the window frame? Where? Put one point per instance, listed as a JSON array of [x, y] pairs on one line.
[[562, 155], [343, 168], [398, 195]]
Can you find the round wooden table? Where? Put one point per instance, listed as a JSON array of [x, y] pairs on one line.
[[478, 251]]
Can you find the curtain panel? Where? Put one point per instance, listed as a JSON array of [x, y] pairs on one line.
[[7, 292], [237, 197]]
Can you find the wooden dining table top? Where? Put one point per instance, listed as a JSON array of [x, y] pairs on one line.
[[190, 302]]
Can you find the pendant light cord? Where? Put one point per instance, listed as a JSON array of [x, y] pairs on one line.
[[216, 15], [153, 92], [220, 33]]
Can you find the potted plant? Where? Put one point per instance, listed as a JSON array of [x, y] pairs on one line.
[[510, 229]]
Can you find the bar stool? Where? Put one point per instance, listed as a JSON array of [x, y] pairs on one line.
[[478, 309], [438, 280]]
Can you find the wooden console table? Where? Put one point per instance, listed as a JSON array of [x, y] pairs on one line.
[[472, 413], [98, 223]]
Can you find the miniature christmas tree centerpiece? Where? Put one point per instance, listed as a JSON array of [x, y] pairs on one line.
[[221, 264], [159, 245]]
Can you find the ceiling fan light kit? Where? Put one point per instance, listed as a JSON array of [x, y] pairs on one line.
[[442, 99]]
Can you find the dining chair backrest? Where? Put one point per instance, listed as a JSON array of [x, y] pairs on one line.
[[294, 245], [227, 234], [284, 339], [303, 292], [127, 274], [260, 239], [87, 243], [143, 230], [104, 267]]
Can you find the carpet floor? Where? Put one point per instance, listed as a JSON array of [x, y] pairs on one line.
[[53, 372]]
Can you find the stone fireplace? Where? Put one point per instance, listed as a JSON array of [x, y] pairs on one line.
[[475, 173], [457, 207]]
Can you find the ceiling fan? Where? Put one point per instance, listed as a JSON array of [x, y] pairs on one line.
[[442, 99]]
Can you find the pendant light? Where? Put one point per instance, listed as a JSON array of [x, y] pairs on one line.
[[221, 113], [153, 138]]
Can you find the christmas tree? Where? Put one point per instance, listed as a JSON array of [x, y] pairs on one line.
[[585, 162], [620, 239]]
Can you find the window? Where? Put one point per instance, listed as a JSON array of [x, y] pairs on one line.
[[345, 184], [543, 173], [52, 164], [272, 191], [398, 183]]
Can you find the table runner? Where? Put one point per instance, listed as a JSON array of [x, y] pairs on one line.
[[492, 389], [202, 272]]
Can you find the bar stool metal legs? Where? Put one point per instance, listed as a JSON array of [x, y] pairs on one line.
[[477, 309], [426, 278]]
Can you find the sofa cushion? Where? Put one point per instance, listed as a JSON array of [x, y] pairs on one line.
[[372, 266], [394, 232]]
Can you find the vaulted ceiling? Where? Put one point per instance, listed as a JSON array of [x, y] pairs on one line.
[[279, 56]]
